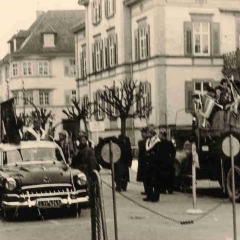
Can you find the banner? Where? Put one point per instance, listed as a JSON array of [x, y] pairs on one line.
[[9, 127]]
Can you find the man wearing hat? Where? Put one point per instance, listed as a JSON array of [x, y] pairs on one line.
[[152, 166], [141, 174], [66, 145], [84, 157]]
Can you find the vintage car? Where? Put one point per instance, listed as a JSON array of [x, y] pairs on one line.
[[34, 174]]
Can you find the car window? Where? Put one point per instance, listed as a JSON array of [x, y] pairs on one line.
[[32, 154]]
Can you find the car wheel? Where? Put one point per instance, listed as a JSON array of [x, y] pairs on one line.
[[75, 210], [9, 214], [237, 183]]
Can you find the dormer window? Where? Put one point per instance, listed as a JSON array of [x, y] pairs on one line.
[[48, 40]]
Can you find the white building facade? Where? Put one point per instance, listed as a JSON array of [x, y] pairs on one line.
[[174, 46]]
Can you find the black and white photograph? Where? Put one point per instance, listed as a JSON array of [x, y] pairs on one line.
[[120, 119]]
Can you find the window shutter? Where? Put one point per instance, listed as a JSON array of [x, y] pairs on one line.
[[136, 35], [114, 6], [81, 65], [149, 94], [103, 106], [95, 105], [187, 38], [138, 90], [237, 32], [106, 52], [101, 55], [215, 39], [100, 10], [68, 97], [115, 50], [66, 67], [106, 8], [188, 96], [93, 17], [93, 59], [148, 41]]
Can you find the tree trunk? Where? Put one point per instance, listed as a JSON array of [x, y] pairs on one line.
[[123, 126], [85, 125]]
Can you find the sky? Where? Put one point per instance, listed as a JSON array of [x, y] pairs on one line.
[[18, 15]]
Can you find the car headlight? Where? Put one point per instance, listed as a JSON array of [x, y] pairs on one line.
[[10, 184], [81, 179]]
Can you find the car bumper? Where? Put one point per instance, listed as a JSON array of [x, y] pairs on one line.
[[18, 201]]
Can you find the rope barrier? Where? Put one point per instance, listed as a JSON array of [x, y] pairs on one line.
[[183, 222]]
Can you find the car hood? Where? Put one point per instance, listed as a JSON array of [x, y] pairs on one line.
[[38, 173]]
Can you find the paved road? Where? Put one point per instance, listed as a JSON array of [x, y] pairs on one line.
[[138, 220]]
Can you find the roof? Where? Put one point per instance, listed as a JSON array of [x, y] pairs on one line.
[[58, 22], [230, 10], [27, 144]]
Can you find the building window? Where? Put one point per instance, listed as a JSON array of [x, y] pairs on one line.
[[48, 40], [110, 6], [44, 97], [74, 95], [15, 69], [27, 68], [142, 42], [97, 56], [145, 100], [99, 106], [96, 11], [196, 87], [110, 51], [28, 97], [70, 67], [16, 97], [201, 38], [43, 68]]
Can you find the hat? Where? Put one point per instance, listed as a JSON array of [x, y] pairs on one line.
[[83, 134], [152, 128], [63, 132], [144, 130], [163, 131]]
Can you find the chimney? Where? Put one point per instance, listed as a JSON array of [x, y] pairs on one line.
[[39, 13]]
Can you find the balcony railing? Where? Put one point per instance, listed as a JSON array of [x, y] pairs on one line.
[[231, 60]]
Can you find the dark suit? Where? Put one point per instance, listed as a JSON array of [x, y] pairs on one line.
[[121, 168], [167, 155]]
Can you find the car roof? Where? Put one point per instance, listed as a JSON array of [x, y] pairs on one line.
[[27, 144]]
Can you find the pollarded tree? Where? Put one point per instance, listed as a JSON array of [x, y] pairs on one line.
[[43, 114], [79, 112], [125, 101]]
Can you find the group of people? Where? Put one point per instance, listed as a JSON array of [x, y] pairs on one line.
[[155, 163]]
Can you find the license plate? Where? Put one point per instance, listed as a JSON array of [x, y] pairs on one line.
[[49, 203]]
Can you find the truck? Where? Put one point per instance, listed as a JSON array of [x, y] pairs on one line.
[[214, 130]]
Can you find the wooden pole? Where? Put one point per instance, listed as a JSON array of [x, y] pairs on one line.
[[113, 192], [233, 190]]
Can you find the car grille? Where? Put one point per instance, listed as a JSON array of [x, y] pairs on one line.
[[46, 192]]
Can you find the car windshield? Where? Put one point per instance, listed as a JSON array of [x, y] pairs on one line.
[[32, 154]]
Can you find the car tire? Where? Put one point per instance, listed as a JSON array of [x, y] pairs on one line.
[[9, 214], [75, 210], [237, 183]]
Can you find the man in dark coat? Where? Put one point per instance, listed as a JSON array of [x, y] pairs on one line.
[[142, 158], [167, 153], [121, 168], [84, 157], [152, 167]]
